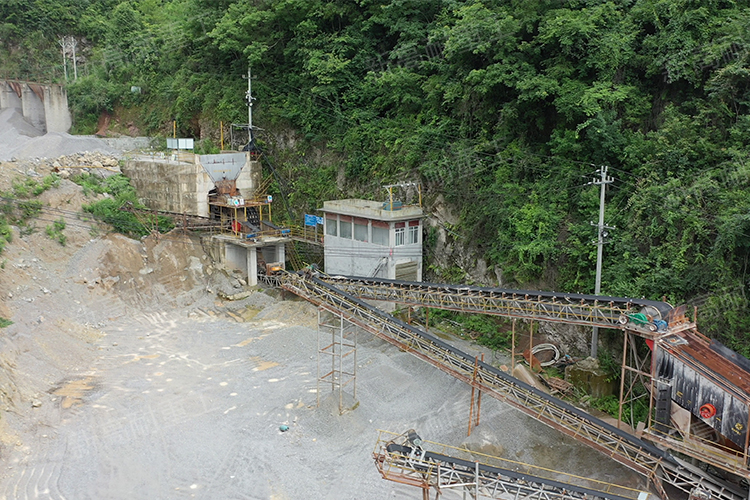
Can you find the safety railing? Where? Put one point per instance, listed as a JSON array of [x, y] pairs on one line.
[[620, 446], [444, 467]]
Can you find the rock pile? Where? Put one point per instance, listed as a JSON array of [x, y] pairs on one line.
[[87, 159]]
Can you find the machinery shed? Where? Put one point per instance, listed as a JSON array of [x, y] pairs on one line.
[[713, 387]]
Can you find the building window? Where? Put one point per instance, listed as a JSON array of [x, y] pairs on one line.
[[400, 232], [380, 235], [360, 232], [346, 229], [331, 227], [413, 235]]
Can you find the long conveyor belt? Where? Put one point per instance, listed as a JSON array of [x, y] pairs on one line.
[[404, 461], [568, 308], [632, 452]]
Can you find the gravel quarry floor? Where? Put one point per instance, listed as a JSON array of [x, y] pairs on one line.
[[125, 376], [153, 399], [182, 404]]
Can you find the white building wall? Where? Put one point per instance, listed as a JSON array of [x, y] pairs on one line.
[[351, 257]]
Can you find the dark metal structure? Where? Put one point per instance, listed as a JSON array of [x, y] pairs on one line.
[[708, 381], [641, 456], [405, 460]]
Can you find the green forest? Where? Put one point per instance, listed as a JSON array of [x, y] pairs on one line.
[[504, 109]]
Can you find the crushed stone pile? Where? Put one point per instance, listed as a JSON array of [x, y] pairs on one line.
[[19, 139]]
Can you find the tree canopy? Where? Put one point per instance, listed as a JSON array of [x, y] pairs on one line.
[[506, 108]]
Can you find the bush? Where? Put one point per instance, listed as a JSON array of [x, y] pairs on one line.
[[632, 412], [29, 187], [55, 231], [110, 210]]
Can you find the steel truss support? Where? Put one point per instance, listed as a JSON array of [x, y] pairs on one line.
[[635, 376], [618, 445], [337, 354], [477, 475], [478, 398], [604, 312]]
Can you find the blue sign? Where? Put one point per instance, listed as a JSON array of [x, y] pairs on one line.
[[320, 220], [311, 220]]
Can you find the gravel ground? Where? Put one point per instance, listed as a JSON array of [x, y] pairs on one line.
[[19, 139], [22, 141], [124, 376], [183, 403]]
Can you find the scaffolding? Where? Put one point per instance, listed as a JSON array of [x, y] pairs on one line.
[[337, 348]]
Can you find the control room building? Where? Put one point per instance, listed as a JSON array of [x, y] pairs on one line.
[[373, 239]]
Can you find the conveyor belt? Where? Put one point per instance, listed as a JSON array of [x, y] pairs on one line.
[[405, 463], [568, 308], [634, 453]]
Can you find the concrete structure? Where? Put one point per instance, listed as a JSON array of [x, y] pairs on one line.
[[182, 182], [373, 239], [244, 255], [44, 106], [179, 183]]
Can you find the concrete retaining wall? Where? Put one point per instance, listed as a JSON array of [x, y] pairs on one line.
[[44, 106], [177, 186], [56, 112], [168, 185]]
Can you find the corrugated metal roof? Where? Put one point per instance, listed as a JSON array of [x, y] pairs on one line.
[[721, 370]]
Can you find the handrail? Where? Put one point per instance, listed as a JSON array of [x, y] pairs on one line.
[[632, 452], [578, 309]]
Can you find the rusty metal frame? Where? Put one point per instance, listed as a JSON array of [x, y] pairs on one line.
[[556, 309], [509, 479], [633, 373], [341, 350], [596, 434], [551, 308]]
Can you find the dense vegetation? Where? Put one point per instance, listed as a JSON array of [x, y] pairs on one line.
[[110, 209], [18, 207], [504, 107]]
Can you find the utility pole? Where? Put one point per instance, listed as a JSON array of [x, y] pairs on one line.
[[63, 44], [603, 180], [74, 44], [249, 98], [68, 45]]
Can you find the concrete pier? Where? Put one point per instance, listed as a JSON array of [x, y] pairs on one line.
[[44, 106]]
